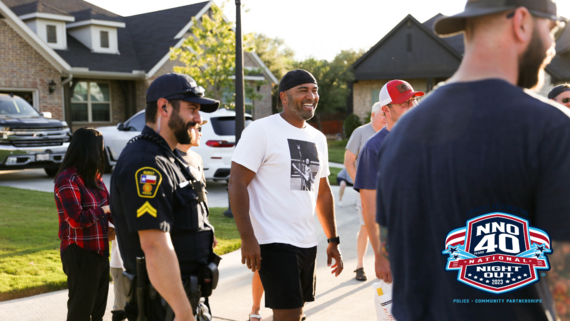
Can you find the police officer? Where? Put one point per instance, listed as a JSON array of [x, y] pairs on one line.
[[158, 210]]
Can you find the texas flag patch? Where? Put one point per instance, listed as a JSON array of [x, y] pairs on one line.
[[151, 179]]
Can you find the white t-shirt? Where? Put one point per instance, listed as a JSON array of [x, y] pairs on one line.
[[288, 162]]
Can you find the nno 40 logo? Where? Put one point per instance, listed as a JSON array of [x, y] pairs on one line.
[[497, 252]]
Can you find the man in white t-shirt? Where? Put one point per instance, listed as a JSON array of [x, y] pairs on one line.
[[279, 179]]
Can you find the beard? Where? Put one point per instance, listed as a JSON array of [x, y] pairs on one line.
[[299, 110], [180, 129], [532, 62]]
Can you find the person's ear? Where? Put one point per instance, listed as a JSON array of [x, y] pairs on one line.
[[162, 109], [523, 26], [385, 110], [283, 97]]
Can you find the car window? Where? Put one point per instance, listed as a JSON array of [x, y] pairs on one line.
[[226, 125], [16, 107], [136, 123]]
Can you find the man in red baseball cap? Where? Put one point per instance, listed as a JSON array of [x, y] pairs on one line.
[[396, 97]]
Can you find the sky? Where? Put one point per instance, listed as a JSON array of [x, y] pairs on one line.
[[316, 28]]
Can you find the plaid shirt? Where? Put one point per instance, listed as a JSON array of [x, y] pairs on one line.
[[81, 219]]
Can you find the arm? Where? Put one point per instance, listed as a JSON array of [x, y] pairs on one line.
[[325, 213], [164, 272], [558, 278], [377, 238], [239, 202], [70, 196], [350, 163]]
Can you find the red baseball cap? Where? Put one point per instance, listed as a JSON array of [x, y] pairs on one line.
[[397, 92]]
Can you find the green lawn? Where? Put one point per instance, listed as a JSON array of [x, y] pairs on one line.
[[336, 150], [334, 173], [29, 246]]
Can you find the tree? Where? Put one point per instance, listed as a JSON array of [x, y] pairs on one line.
[[208, 55], [332, 78]]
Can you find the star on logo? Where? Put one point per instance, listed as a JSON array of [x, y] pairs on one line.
[[537, 255], [540, 248], [452, 249], [456, 256]]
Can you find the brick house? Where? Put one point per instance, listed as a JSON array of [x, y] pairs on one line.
[[413, 52], [92, 67]]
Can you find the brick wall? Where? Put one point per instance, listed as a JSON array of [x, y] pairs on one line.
[[362, 93], [23, 67]]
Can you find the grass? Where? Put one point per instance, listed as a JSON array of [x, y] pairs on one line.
[[336, 150], [29, 246], [334, 173]]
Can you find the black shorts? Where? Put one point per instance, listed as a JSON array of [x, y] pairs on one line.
[[338, 180], [288, 275]]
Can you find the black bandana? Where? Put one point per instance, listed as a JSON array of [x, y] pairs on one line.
[[295, 78]]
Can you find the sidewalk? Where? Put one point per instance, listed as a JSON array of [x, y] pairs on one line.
[[341, 298]]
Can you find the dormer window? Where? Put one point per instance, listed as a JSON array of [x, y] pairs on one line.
[[98, 35], [104, 39], [49, 27], [51, 33]]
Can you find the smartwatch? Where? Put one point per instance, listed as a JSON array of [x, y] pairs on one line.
[[334, 239]]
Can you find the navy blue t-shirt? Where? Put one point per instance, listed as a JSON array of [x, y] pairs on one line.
[[467, 150], [368, 161]]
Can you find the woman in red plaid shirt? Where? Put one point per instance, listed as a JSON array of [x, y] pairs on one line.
[[82, 204]]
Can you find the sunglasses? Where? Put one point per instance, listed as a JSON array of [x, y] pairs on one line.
[[556, 32], [199, 128], [196, 91], [566, 100], [410, 102]]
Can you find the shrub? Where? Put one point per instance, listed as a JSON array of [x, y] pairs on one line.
[[350, 124]]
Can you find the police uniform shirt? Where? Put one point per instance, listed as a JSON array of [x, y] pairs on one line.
[[150, 192]]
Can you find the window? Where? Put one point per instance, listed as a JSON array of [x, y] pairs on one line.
[[51, 33], [375, 96], [104, 39], [91, 102], [136, 124], [226, 126]]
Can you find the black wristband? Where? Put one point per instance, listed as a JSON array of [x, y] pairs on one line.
[[334, 240]]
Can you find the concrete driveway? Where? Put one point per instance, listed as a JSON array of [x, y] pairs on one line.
[[341, 298]]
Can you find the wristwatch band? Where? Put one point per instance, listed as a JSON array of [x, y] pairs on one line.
[[334, 239]]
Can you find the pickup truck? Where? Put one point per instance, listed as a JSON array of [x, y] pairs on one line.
[[29, 139]]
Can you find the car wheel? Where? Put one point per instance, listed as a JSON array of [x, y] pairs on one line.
[[51, 171], [108, 167]]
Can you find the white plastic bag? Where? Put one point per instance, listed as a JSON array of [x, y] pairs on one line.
[[383, 301]]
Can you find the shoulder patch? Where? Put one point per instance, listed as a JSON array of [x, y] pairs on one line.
[[148, 180]]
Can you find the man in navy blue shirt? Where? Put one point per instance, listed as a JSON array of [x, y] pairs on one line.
[[396, 97], [482, 148]]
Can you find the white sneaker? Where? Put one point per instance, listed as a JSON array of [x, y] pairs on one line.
[[339, 203]]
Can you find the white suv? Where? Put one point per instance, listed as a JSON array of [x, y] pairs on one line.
[[216, 148]]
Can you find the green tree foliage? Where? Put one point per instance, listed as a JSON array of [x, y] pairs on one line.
[[273, 52], [333, 78], [351, 123], [208, 55]]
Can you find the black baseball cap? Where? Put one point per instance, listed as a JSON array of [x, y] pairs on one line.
[[447, 26], [558, 90], [180, 87]]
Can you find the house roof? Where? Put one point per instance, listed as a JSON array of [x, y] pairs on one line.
[[144, 43], [389, 58], [559, 68]]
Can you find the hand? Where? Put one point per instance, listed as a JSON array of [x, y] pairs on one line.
[[382, 268], [107, 209], [334, 253], [111, 234], [251, 253], [186, 315], [215, 242]]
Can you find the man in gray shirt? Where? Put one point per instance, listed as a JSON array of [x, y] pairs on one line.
[[357, 139]]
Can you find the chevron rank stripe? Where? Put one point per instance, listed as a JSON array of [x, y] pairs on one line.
[[146, 208]]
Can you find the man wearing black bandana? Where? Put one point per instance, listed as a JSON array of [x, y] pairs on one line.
[[157, 208], [279, 179], [481, 140]]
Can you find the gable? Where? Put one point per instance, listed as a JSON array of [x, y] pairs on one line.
[[410, 50]]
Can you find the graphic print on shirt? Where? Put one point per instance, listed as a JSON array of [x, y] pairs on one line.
[[304, 164], [497, 252]]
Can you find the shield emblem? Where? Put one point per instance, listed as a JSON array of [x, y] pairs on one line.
[[497, 252]]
